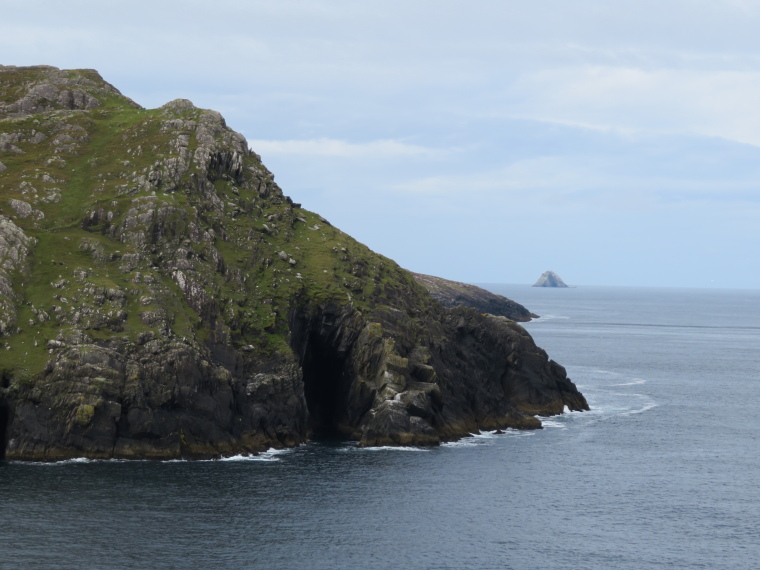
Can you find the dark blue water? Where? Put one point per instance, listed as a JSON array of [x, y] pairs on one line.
[[664, 472]]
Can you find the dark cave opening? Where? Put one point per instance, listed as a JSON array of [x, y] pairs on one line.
[[325, 389]]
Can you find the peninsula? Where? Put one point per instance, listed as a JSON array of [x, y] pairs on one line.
[[160, 297], [452, 294]]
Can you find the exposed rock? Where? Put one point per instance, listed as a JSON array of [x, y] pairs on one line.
[[454, 294], [14, 249], [549, 279], [24, 209], [167, 271], [52, 89]]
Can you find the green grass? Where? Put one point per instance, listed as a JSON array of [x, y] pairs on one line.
[[254, 292]]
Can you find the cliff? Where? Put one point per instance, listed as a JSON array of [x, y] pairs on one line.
[[160, 298], [455, 294]]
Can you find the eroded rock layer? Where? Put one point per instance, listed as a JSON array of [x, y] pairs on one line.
[[161, 298]]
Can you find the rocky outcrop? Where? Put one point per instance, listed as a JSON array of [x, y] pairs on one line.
[[549, 279], [377, 383], [162, 298], [454, 294], [155, 398], [14, 249], [44, 88]]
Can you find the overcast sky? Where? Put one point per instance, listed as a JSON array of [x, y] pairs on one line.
[[616, 143]]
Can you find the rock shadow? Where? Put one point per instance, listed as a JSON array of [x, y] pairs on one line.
[[325, 389], [4, 417], [5, 413]]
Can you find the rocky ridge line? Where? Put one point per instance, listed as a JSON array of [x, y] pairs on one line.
[[452, 294]]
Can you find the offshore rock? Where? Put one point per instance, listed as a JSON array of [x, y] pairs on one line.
[[549, 279], [454, 294], [161, 298]]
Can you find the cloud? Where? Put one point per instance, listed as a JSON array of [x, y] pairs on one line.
[[344, 149], [567, 184], [709, 103]]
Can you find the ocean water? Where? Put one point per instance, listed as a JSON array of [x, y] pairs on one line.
[[663, 472]]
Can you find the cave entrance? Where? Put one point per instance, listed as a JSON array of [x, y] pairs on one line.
[[325, 389]]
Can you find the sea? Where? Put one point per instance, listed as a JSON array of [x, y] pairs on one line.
[[662, 472]]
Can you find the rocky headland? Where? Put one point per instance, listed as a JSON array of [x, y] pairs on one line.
[[452, 294], [160, 297]]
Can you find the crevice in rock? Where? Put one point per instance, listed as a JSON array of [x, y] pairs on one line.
[[5, 413], [122, 424], [4, 418]]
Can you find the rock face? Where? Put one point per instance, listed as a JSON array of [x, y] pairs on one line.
[[454, 294], [549, 279], [161, 298]]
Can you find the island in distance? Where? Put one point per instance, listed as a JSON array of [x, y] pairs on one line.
[[549, 279], [162, 298]]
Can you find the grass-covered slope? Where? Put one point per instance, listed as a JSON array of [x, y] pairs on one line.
[[160, 296]]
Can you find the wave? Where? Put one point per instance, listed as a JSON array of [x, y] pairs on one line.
[[549, 318], [465, 442], [73, 461], [609, 394], [270, 455], [390, 448], [606, 404], [488, 437], [553, 424], [634, 382], [648, 406], [382, 448]]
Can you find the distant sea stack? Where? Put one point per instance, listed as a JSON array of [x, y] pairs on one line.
[[549, 279]]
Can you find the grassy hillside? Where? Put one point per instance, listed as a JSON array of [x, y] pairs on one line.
[[160, 297], [128, 206]]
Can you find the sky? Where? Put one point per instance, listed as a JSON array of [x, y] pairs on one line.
[[487, 141]]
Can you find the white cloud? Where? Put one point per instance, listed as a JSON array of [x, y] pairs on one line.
[[534, 180], [582, 184], [344, 149], [709, 103]]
